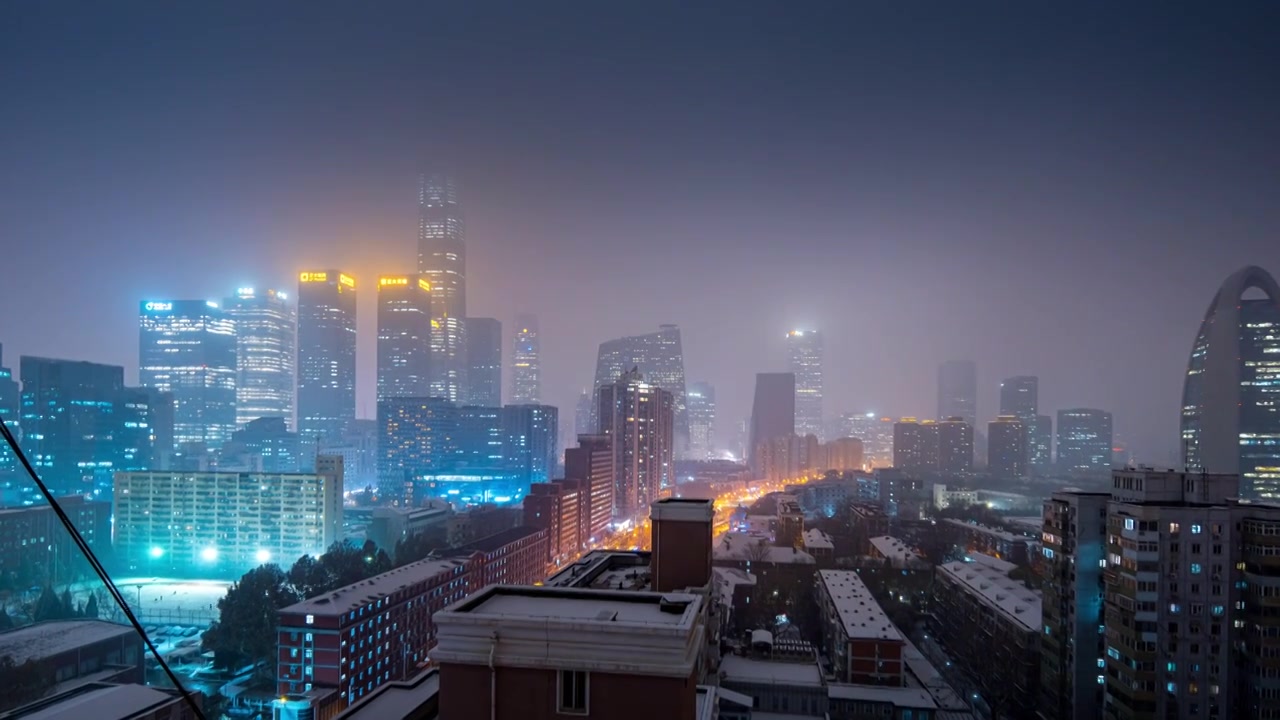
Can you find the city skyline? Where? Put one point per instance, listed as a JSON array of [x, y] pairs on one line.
[[339, 190]]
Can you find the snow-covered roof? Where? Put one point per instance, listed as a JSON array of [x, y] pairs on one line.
[[1012, 599], [47, 639], [862, 616]]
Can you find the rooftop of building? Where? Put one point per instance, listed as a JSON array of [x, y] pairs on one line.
[[985, 530], [1014, 600], [900, 697], [891, 547], [498, 540], [817, 540], [726, 580], [606, 569], [921, 673], [736, 668], [577, 606], [345, 599], [756, 548], [1030, 523], [46, 639], [106, 701], [862, 616], [397, 699]]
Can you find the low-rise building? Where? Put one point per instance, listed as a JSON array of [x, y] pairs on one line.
[[73, 649], [820, 546], [35, 547], [356, 638], [111, 701], [776, 686], [990, 625], [511, 557], [861, 641], [991, 541], [530, 653], [784, 575], [897, 552]]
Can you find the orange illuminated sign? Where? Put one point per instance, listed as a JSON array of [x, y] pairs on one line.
[[313, 277], [393, 281], [424, 284], [346, 280]]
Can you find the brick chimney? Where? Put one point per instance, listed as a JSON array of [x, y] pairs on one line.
[[681, 543]]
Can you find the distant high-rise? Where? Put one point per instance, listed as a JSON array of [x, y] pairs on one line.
[[531, 435], [773, 411], [638, 418], [404, 336], [876, 434], [955, 446], [10, 407], [805, 350], [582, 422], [326, 353], [1019, 397], [660, 358], [916, 445], [484, 362], [1084, 441], [1040, 441], [958, 391], [526, 383], [1230, 418], [188, 348], [266, 335], [442, 260], [701, 401], [81, 424], [1007, 447]]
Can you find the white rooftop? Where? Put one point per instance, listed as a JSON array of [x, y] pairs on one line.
[[903, 697], [1010, 597], [352, 597], [109, 701], [818, 540], [735, 668], [569, 608], [862, 616], [1029, 523], [756, 548], [921, 673], [46, 639], [993, 532], [995, 563], [893, 548]]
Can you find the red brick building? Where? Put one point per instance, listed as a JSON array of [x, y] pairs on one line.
[[358, 637], [560, 508], [512, 557], [591, 464], [864, 646]]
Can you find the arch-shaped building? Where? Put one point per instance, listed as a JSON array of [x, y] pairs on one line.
[[1231, 397]]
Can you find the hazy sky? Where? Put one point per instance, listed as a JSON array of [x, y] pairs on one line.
[[1050, 192]]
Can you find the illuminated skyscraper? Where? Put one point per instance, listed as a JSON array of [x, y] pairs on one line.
[[916, 445], [582, 423], [404, 336], [876, 434], [659, 357], [958, 391], [805, 350], [638, 418], [188, 348], [1230, 414], [442, 261], [1084, 441], [484, 362], [526, 384], [266, 334], [702, 420], [326, 352], [773, 412]]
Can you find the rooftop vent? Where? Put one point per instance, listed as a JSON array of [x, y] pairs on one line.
[[674, 604], [607, 615]]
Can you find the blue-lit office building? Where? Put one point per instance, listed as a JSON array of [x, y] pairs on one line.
[[1084, 441], [429, 447], [266, 331], [1230, 413], [10, 402], [188, 348], [81, 424]]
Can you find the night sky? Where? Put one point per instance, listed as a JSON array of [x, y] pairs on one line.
[[1050, 192]]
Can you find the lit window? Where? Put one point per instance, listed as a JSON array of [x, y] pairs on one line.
[[1195, 529], [1173, 527], [1195, 568], [311, 619], [1171, 667], [1102, 680], [1102, 663], [1171, 687], [1128, 523]]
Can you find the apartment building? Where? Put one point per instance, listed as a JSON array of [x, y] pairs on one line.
[[990, 625], [861, 640]]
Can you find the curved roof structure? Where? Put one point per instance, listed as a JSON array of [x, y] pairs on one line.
[[1231, 396]]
